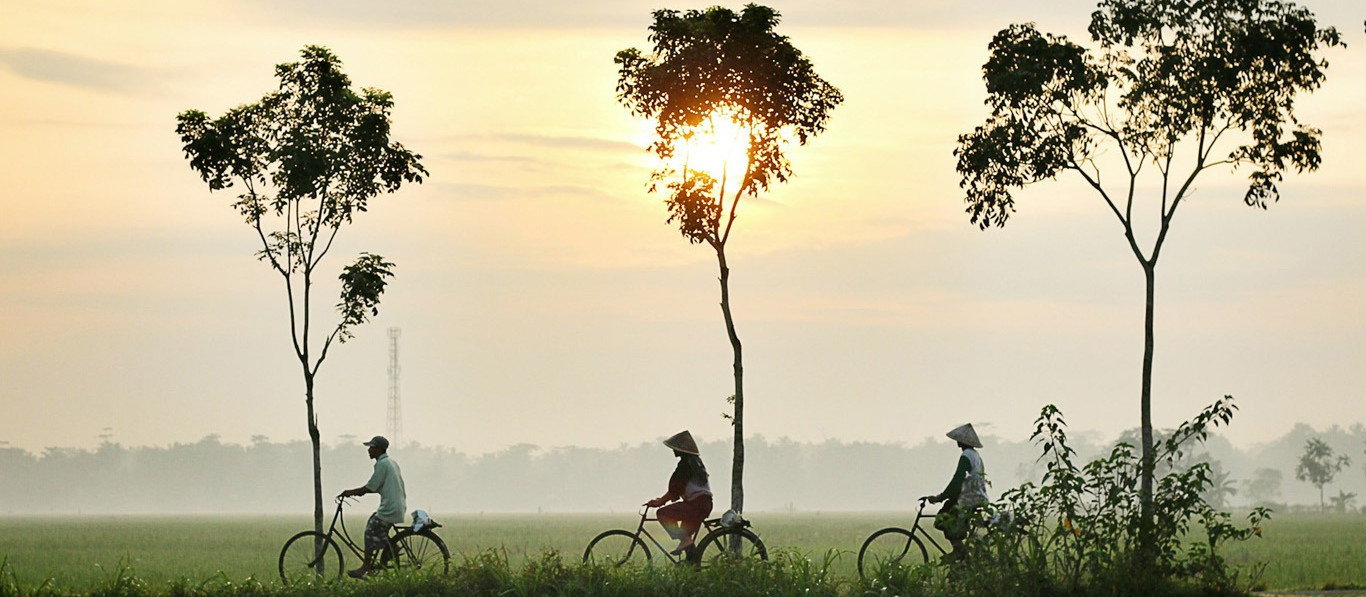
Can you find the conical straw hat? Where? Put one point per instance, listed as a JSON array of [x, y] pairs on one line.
[[965, 434], [683, 442]]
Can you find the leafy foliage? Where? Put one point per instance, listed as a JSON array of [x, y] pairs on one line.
[[308, 157], [1343, 501], [324, 151], [1163, 72], [1170, 88], [1077, 533], [362, 284], [1319, 464], [710, 70], [1264, 486], [716, 63], [488, 573]]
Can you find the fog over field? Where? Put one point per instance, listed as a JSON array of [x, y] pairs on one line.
[[542, 297], [555, 326], [212, 477]]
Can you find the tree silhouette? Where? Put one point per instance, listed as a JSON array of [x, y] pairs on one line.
[[1264, 486], [1170, 90], [309, 157], [711, 71], [1319, 464], [1343, 501]]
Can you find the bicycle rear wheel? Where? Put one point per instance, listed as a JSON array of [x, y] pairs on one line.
[[310, 557], [892, 546], [729, 544], [421, 551], [617, 548]]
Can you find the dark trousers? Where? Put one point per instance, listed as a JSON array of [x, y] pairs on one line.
[[683, 519]]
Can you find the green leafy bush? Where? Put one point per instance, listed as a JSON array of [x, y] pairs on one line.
[[1077, 532], [488, 574]]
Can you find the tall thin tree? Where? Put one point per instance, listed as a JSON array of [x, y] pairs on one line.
[[1319, 464], [717, 76], [1171, 89], [308, 157]]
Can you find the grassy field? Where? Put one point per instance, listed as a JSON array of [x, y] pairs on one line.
[[1301, 551]]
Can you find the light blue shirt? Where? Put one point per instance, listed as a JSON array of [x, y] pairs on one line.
[[387, 481]]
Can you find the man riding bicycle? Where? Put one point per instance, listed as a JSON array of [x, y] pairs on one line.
[[387, 481]]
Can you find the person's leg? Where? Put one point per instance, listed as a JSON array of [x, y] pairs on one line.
[[669, 517], [691, 516], [956, 530], [376, 535]]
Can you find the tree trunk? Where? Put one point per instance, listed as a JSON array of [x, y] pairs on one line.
[[1149, 461], [737, 471], [314, 436]]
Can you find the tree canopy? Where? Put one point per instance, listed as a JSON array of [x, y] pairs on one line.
[[714, 64], [309, 156], [1169, 90], [1222, 75], [709, 71]]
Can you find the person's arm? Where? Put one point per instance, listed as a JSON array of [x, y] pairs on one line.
[[955, 486], [372, 486], [677, 483], [359, 491]]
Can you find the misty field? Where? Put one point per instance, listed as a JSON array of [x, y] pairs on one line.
[[1301, 551]]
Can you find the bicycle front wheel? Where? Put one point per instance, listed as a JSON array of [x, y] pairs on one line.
[[617, 548], [729, 544], [422, 551], [892, 546], [310, 557]]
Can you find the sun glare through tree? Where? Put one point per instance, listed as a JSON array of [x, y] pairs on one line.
[[726, 94], [718, 148]]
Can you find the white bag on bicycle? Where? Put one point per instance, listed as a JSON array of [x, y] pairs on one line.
[[421, 520]]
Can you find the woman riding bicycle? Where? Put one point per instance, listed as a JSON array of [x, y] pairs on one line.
[[688, 484], [966, 490]]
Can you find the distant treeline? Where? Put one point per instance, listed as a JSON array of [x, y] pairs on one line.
[[210, 476]]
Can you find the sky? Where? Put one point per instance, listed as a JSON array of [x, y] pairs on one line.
[[543, 299]]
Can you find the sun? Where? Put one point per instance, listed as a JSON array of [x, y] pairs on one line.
[[719, 146]]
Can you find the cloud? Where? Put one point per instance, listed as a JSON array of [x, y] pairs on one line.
[[467, 156], [558, 14], [552, 141], [486, 192], [637, 14], [76, 70], [571, 142]]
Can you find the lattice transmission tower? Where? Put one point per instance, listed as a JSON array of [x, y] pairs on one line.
[[395, 408]]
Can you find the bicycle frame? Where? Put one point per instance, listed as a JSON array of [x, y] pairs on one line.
[[917, 530], [640, 530], [708, 526], [345, 536]]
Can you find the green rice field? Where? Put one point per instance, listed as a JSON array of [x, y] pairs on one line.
[[1301, 551]]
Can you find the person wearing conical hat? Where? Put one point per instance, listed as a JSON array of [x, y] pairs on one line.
[[689, 487], [967, 489]]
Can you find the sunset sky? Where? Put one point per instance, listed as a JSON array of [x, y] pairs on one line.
[[541, 295]]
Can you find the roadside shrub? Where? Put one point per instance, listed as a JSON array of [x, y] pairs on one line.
[[488, 574], [1077, 532]]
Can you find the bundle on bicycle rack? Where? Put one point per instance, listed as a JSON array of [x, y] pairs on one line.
[[422, 520]]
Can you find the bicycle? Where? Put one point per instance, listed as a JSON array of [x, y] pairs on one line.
[[723, 539], [892, 545], [311, 556]]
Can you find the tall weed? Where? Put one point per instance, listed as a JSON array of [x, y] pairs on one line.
[[1077, 532]]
